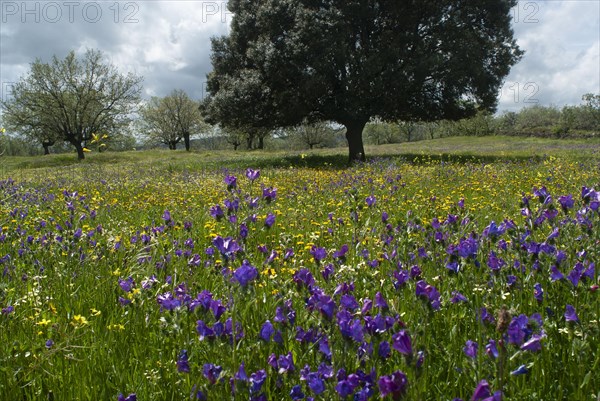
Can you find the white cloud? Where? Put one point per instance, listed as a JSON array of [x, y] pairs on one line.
[[561, 40]]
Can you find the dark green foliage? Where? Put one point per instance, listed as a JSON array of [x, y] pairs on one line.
[[348, 61]]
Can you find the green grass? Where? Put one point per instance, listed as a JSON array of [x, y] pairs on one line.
[[458, 149], [70, 231]]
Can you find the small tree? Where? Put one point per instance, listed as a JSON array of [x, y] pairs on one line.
[[313, 134], [591, 112], [431, 128], [408, 129], [234, 137], [69, 100], [380, 132], [171, 119], [537, 119]]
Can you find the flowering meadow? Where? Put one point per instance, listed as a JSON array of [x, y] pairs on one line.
[[387, 280]]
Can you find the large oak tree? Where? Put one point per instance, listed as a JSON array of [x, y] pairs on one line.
[[350, 60]]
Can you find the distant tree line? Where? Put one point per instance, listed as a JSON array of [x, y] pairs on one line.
[[149, 131], [581, 121]]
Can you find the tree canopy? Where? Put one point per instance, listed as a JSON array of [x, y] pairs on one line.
[[348, 61], [71, 99]]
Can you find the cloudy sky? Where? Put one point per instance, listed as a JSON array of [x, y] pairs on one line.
[[167, 42]]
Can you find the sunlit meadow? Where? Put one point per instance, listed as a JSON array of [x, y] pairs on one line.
[[393, 280]]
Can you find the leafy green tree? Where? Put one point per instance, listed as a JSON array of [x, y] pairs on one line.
[[481, 124], [507, 122], [71, 99], [348, 61], [536, 119], [171, 119], [312, 134], [589, 117], [234, 137], [380, 132]]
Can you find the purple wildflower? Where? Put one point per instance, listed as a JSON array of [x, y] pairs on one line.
[[216, 212], [241, 374], [380, 301], [296, 393], [267, 331], [470, 349], [269, 220], [327, 271], [245, 273], [556, 274], [491, 349], [303, 276], [457, 297], [394, 384], [318, 253], [183, 365], [341, 253], [230, 181], [348, 302], [482, 391], [252, 174], [533, 344], [430, 292], [538, 292], [521, 370], [518, 330], [285, 363], [256, 380], [344, 388], [228, 247], [315, 383], [566, 202], [324, 347], [571, 314], [211, 372], [494, 230], [384, 350], [127, 284], [402, 343], [269, 194]]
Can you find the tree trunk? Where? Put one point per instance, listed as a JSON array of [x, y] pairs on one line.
[[249, 142], [172, 145], [79, 149], [235, 146], [356, 150], [186, 139], [261, 142], [46, 145]]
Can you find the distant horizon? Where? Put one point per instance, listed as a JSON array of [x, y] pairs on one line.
[[168, 43]]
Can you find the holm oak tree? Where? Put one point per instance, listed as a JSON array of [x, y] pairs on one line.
[[350, 60]]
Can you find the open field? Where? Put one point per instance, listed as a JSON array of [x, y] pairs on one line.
[[449, 149], [459, 268]]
